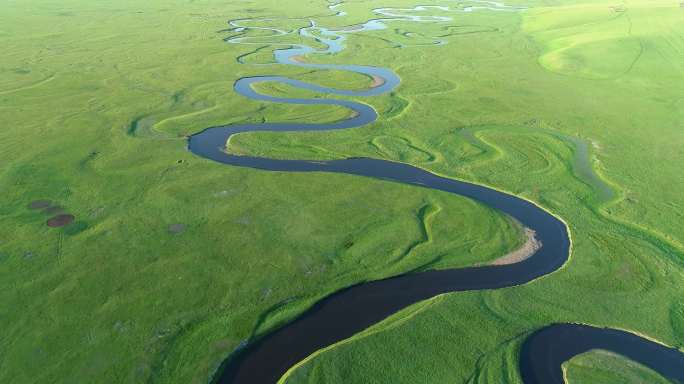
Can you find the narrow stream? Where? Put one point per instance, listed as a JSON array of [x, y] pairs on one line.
[[354, 309]]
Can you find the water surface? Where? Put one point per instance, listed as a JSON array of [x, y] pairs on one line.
[[354, 309]]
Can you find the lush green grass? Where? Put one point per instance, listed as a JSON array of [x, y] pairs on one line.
[[601, 367], [96, 98], [521, 118]]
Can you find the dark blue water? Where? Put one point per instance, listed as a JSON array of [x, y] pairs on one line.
[[544, 352], [354, 309]]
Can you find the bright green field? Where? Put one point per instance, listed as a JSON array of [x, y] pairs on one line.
[[602, 367], [578, 106]]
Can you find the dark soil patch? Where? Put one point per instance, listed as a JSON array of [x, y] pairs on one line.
[[177, 228], [40, 204], [60, 220]]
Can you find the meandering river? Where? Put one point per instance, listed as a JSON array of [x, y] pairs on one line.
[[354, 309]]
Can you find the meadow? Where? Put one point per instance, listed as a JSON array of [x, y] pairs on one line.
[[603, 367], [173, 261]]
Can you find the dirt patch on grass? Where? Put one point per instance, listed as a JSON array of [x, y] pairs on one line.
[[377, 82], [298, 59], [528, 249], [60, 220]]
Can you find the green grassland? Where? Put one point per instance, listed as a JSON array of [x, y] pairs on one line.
[[576, 106], [601, 367], [96, 100]]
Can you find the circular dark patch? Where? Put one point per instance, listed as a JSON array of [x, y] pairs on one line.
[[60, 220], [177, 228], [40, 204]]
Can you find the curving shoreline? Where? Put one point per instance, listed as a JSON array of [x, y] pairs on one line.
[[354, 309], [351, 310], [541, 362]]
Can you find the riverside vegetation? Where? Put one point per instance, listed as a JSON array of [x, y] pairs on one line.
[[174, 261]]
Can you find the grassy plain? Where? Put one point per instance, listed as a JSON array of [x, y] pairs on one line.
[[511, 116], [601, 367], [96, 99]]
